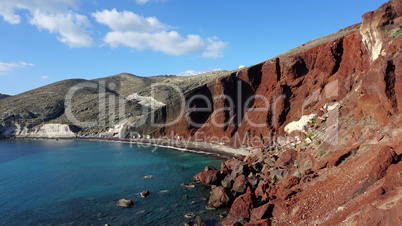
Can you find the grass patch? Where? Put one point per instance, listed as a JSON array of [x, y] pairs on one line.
[[389, 204], [321, 152], [396, 33]]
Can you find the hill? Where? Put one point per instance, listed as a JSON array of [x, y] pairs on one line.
[[3, 96], [95, 100]]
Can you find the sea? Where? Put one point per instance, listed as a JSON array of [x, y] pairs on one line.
[[75, 182]]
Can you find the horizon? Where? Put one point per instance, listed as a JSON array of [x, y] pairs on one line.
[[45, 41]]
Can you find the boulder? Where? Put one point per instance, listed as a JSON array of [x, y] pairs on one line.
[[125, 203], [287, 158], [278, 175], [198, 221], [261, 190], [144, 194], [208, 168], [242, 207], [211, 177], [241, 169], [393, 178], [232, 163], [290, 181], [240, 184], [220, 196], [227, 182], [385, 158], [262, 212]]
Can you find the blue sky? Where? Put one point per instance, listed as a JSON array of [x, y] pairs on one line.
[[44, 41]]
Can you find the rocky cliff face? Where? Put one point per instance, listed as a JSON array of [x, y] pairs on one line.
[[358, 66], [327, 118]]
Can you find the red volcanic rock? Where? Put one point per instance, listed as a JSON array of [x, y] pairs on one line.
[[371, 215], [211, 177], [220, 196], [385, 157], [262, 212], [290, 181], [261, 190], [240, 210], [287, 158], [264, 222], [240, 185], [393, 178], [232, 163]]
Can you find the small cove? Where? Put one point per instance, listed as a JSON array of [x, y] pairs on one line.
[[79, 182]]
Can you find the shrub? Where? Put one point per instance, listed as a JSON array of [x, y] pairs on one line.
[[396, 33], [321, 152]]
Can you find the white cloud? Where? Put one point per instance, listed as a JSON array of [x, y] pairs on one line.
[[7, 67], [128, 21], [215, 48], [44, 77], [70, 27], [140, 33], [171, 43], [55, 16]]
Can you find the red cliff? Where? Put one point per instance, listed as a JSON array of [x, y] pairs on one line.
[[341, 163]]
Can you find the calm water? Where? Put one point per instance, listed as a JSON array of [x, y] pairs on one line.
[[79, 182]]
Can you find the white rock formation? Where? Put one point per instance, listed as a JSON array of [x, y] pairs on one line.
[[119, 130], [50, 130], [146, 101], [47, 130], [300, 125]]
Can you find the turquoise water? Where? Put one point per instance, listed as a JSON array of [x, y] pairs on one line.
[[79, 183]]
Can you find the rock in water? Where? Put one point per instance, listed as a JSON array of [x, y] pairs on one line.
[[198, 221], [189, 215], [144, 194], [125, 203]]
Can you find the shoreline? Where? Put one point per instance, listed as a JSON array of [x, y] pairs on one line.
[[218, 150]]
